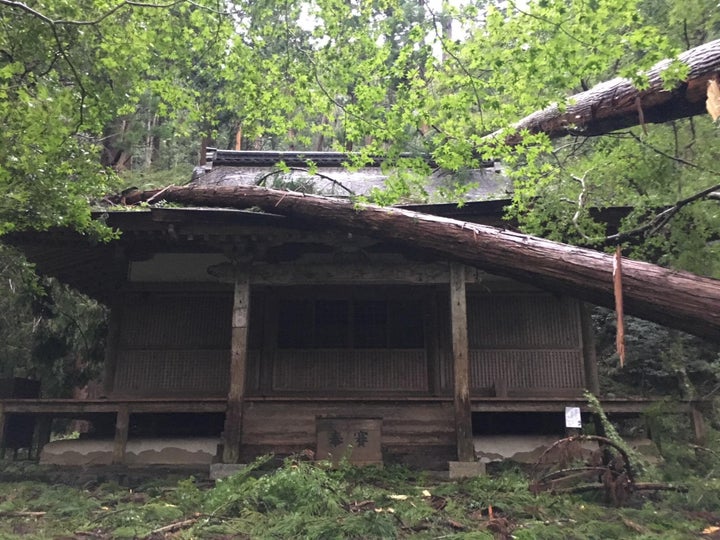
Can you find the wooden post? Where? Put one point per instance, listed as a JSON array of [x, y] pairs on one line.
[[461, 363], [3, 416], [111, 347], [122, 426], [43, 431], [698, 423], [238, 369], [592, 380]]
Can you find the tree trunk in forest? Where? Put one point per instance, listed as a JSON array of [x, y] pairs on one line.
[[113, 153], [618, 104], [677, 299]]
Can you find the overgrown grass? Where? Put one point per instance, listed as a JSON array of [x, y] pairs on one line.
[[315, 501]]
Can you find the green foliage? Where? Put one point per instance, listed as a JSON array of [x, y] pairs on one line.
[[86, 91], [295, 488], [187, 497], [637, 462], [48, 331], [265, 504], [659, 361]]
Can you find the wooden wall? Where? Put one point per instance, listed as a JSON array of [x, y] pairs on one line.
[[174, 344], [416, 433], [336, 370], [523, 343]]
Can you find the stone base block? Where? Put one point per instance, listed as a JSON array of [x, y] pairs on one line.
[[466, 469], [223, 470]]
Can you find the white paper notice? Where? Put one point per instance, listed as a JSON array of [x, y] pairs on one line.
[[572, 417]]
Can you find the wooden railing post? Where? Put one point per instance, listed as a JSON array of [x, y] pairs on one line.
[[2, 430], [238, 369], [698, 424], [122, 426], [461, 363]]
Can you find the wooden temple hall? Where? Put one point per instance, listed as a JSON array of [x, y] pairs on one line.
[[237, 333]]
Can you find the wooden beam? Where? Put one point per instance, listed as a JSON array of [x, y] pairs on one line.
[[379, 272], [592, 379], [75, 408], [461, 364], [122, 426], [351, 273], [238, 369]]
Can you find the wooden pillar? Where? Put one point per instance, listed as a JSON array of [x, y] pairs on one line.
[[122, 426], [461, 363], [3, 417], [111, 346], [592, 379], [43, 432], [238, 369], [698, 424]]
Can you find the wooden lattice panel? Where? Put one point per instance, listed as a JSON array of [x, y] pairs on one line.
[[526, 370], [165, 373], [535, 321], [346, 369], [157, 321], [529, 344]]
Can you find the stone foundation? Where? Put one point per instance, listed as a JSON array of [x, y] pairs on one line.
[[176, 451]]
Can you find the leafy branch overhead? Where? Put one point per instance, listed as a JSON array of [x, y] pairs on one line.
[[100, 94]]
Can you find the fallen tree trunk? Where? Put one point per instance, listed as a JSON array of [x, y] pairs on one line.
[[618, 104], [678, 299]]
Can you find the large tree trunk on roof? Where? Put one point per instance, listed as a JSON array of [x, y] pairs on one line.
[[677, 299], [617, 104]]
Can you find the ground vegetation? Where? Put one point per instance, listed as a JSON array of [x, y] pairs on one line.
[[299, 499]]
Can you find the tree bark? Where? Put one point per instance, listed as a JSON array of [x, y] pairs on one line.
[[674, 298], [618, 104]]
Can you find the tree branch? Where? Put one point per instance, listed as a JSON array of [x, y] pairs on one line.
[[558, 26], [55, 24], [674, 158], [126, 3], [261, 181], [661, 219], [460, 64], [76, 75], [613, 104], [581, 204], [675, 298]]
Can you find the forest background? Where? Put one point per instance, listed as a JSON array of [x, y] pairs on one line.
[[100, 95]]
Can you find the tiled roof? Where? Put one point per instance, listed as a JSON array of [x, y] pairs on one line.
[[324, 173]]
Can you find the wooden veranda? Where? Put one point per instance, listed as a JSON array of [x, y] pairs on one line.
[[43, 411]]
